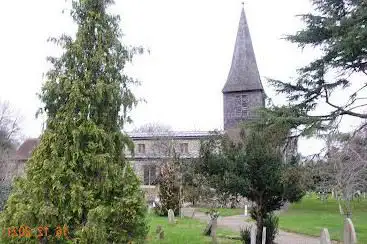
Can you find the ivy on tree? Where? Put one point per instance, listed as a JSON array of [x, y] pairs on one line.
[[78, 175]]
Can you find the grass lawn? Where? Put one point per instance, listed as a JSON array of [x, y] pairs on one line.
[[311, 215], [225, 211], [185, 231]]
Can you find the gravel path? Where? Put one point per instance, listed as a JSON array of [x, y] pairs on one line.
[[235, 223]]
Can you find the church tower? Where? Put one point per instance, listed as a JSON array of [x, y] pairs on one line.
[[243, 91]]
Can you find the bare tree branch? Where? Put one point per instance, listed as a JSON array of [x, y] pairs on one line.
[[342, 111]]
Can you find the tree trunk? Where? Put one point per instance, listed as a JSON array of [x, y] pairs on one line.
[[259, 225]]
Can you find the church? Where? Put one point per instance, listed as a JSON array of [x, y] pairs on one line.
[[243, 93]]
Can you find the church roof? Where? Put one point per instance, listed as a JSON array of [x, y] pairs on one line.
[[173, 134], [25, 150], [244, 74]]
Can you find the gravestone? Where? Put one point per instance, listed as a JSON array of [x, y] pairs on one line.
[[193, 213], [149, 209], [253, 234], [264, 235], [341, 210], [325, 237], [160, 232], [350, 236], [213, 232], [171, 216]]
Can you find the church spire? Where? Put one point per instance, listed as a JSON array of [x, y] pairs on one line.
[[244, 74]]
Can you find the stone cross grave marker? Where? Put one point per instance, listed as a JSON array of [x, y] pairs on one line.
[[325, 237], [171, 216], [350, 236]]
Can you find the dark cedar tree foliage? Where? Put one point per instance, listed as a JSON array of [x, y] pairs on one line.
[[78, 175], [338, 28]]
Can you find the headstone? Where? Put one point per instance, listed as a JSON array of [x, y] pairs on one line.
[[253, 234], [159, 229], [160, 232], [341, 210], [171, 216], [213, 232], [325, 237], [246, 210], [350, 236], [161, 235], [264, 235]]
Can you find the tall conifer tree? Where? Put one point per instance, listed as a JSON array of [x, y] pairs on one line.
[[78, 176], [335, 79]]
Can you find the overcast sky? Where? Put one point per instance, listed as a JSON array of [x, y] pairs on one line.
[[191, 45]]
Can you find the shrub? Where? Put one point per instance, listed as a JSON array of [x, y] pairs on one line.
[[271, 222], [245, 234], [169, 190]]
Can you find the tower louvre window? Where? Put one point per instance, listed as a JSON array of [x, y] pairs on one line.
[[244, 105], [244, 101], [241, 106]]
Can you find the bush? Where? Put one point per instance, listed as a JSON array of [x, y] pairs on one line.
[[271, 222], [169, 190], [245, 234]]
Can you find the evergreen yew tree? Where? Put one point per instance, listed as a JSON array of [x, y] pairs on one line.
[[253, 168], [169, 189], [78, 177]]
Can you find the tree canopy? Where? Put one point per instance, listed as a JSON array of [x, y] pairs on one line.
[[337, 28], [253, 168]]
